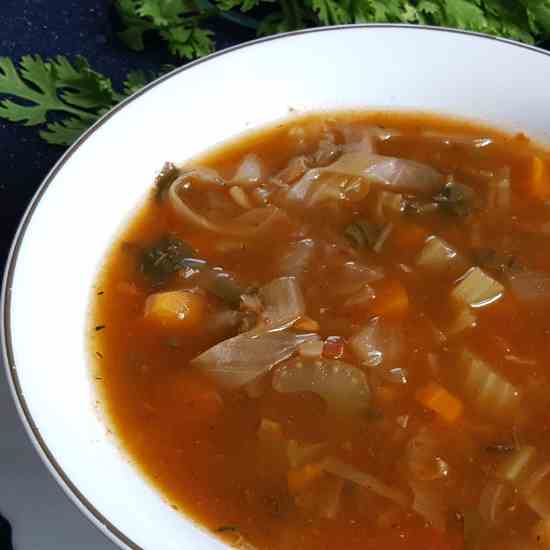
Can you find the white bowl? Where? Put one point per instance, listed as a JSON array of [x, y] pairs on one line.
[[96, 186]]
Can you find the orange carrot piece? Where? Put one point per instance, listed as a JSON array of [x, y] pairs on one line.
[[391, 299], [179, 308], [538, 180], [307, 323], [408, 236], [438, 399]]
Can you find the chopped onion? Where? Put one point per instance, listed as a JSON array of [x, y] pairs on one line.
[[524, 471], [384, 134], [256, 388], [395, 174], [397, 376], [384, 234], [365, 145], [238, 194], [537, 491], [329, 189], [301, 189], [311, 350], [464, 320], [283, 303], [208, 177], [458, 139], [246, 225], [343, 387], [238, 360], [388, 205], [493, 395], [352, 277], [422, 456], [531, 287], [363, 296], [493, 501], [356, 171], [251, 302], [377, 343], [440, 257], [298, 258], [515, 468], [431, 503], [294, 170], [249, 172], [500, 191], [477, 289], [349, 473], [327, 149], [358, 140]]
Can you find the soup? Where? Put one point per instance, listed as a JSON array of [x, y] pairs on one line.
[[333, 333]]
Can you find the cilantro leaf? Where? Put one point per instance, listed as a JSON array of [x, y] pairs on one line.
[[243, 5], [67, 131], [178, 22], [135, 25], [175, 21], [188, 42], [331, 12], [76, 93]]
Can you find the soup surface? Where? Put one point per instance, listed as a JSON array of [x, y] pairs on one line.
[[335, 334]]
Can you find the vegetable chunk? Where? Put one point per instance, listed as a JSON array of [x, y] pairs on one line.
[[177, 308]]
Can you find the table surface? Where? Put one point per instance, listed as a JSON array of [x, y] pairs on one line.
[[42, 516]]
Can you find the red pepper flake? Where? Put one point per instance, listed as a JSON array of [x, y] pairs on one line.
[[333, 347]]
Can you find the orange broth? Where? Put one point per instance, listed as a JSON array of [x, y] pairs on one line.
[[201, 443]]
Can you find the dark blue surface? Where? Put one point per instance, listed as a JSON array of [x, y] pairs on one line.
[[67, 27]]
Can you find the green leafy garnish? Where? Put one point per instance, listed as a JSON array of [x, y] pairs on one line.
[[74, 91], [78, 95], [455, 199], [181, 22], [176, 21], [165, 258]]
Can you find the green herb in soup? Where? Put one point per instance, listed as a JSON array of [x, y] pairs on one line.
[[334, 334]]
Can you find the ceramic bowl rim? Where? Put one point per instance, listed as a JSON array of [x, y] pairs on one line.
[[72, 491]]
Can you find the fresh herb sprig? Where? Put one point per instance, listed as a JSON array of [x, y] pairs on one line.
[[77, 95], [73, 92], [181, 23]]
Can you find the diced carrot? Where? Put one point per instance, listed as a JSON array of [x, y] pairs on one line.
[[408, 236], [176, 307], [438, 399], [538, 179], [391, 299], [307, 323], [301, 478]]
